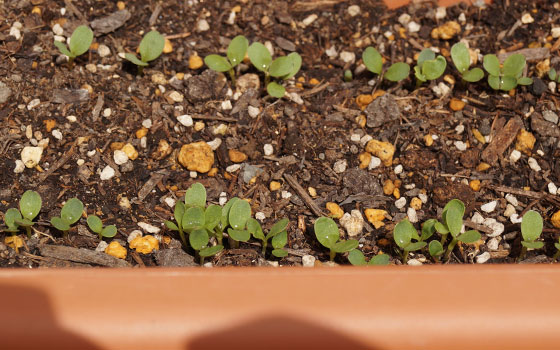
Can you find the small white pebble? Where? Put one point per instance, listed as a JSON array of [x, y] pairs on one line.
[[477, 218], [208, 264], [103, 50], [515, 219], [410, 186], [202, 25], [400, 203], [527, 18], [423, 197], [331, 52], [233, 168], [309, 19], [348, 57], [340, 166], [57, 29], [57, 134], [412, 215], [147, 123], [134, 234], [15, 32], [555, 32], [268, 149], [460, 145], [552, 188], [482, 258], [398, 169], [459, 129], [91, 153], [365, 139], [374, 163], [71, 118], [497, 229], [533, 164], [170, 202], [222, 200], [221, 129], [514, 156], [441, 12], [308, 261], [107, 112], [185, 120], [512, 199], [226, 105], [193, 174], [355, 138], [404, 19], [414, 262], [510, 210], [101, 246], [489, 207], [253, 111], [144, 142], [215, 143], [353, 10], [148, 227], [540, 152], [120, 157], [286, 194], [80, 162], [33, 103], [462, 18], [413, 27], [63, 11], [107, 173], [388, 34], [20, 166], [260, 216], [176, 96], [493, 243]]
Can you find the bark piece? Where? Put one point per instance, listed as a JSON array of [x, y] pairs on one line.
[[501, 141], [109, 23], [70, 96], [543, 127], [81, 255], [534, 54], [382, 110], [174, 257]]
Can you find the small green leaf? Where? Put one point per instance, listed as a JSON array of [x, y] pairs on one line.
[[280, 67], [453, 216], [557, 245], [225, 212], [275, 90], [278, 227], [279, 253], [433, 69], [414, 246], [507, 83], [345, 246], [296, 65], [260, 56], [470, 236], [255, 229], [418, 74], [524, 81], [428, 229], [513, 65], [80, 40], [206, 252], [212, 216], [109, 231], [435, 248], [193, 219], [195, 196], [473, 75], [217, 63], [237, 49], [198, 239], [72, 210], [239, 213], [552, 74], [461, 57], [425, 55], [24, 222], [372, 60], [379, 259], [132, 58], [239, 235], [533, 245], [151, 46], [171, 225], [492, 65], [326, 231], [348, 75], [531, 226], [30, 204], [179, 212], [397, 72], [280, 240], [356, 258], [63, 49], [10, 218], [402, 233], [494, 82], [60, 224], [95, 224]]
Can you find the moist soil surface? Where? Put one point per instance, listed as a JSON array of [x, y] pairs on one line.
[[451, 139]]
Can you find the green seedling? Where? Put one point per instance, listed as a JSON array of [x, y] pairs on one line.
[[277, 232], [150, 48], [357, 258], [283, 67], [434, 247], [403, 234], [239, 214], [554, 75], [195, 196], [29, 207], [531, 229], [348, 76], [557, 246], [429, 67], [462, 61], [70, 214], [436, 250], [374, 63], [452, 223], [80, 41], [95, 224], [507, 76], [10, 217], [327, 234], [235, 53], [199, 240]]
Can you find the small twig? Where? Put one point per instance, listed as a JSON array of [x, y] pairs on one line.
[[178, 36], [59, 163], [211, 117], [303, 195], [315, 90]]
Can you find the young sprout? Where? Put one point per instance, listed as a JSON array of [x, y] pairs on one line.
[[462, 61], [429, 67], [348, 75], [80, 41], [374, 63], [327, 234], [12, 215], [436, 250], [554, 75], [531, 229], [277, 230], [403, 234], [452, 223], [195, 196], [70, 213], [96, 226], [507, 76], [29, 207], [357, 258], [235, 53], [283, 67], [198, 240], [435, 247], [150, 48], [239, 214]]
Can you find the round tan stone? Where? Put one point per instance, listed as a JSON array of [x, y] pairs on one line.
[[197, 156], [236, 156]]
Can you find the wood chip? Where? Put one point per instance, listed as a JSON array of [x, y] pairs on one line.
[[535, 54], [81, 255], [504, 137], [150, 184], [109, 23], [303, 195]]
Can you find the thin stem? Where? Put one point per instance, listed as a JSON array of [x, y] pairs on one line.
[[264, 247], [523, 252], [232, 76], [450, 248], [266, 79], [183, 238], [443, 238], [28, 230], [556, 255], [140, 70], [201, 259], [405, 256], [332, 254], [220, 237]]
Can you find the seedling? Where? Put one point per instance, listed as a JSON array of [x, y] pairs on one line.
[[403, 234], [348, 75], [10, 218], [357, 258], [80, 42], [557, 245], [199, 240], [374, 63], [283, 67], [235, 53], [531, 229], [434, 247], [327, 234], [95, 224], [507, 76], [429, 67], [239, 214], [150, 48], [70, 214], [195, 196], [452, 223], [436, 250], [462, 61], [277, 232], [554, 75], [29, 207]]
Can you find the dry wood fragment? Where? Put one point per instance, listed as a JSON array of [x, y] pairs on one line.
[[81, 255], [504, 137], [534, 54], [303, 195], [60, 162], [150, 184]]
